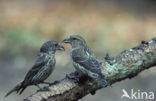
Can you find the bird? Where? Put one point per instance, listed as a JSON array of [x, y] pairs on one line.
[[84, 60], [42, 68]]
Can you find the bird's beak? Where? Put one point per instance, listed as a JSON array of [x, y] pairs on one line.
[[60, 47], [66, 40]]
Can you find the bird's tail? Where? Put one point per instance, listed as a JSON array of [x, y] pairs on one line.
[[20, 87], [101, 79]]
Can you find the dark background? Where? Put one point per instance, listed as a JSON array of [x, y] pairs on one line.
[[108, 27]]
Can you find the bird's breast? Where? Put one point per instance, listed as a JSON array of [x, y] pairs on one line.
[[50, 62]]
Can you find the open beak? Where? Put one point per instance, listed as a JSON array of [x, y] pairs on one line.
[[66, 40], [60, 47]]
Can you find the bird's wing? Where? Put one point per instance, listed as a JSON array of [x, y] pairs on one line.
[[40, 62], [83, 58]]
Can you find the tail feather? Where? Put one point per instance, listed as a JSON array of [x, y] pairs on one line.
[[17, 89], [22, 90], [103, 81]]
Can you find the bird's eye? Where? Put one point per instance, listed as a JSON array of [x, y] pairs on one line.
[[56, 44], [74, 38]]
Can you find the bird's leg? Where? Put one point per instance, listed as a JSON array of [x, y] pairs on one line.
[[38, 86], [42, 89], [72, 75], [75, 76], [48, 83], [55, 82]]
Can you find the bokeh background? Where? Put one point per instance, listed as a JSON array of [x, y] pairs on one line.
[[108, 27]]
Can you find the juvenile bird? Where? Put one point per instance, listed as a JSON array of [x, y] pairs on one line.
[[42, 68], [84, 60]]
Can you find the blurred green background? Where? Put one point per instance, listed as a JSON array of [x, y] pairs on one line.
[[108, 27]]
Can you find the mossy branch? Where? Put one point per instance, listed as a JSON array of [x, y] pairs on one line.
[[127, 64]]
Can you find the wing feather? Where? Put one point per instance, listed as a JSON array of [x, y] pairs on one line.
[[40, 62], [84, 59]]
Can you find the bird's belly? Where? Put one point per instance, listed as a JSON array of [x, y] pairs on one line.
[[81, 70], [43, 73]]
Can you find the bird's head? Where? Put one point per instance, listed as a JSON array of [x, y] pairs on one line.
[[75, 41], [51, 46]]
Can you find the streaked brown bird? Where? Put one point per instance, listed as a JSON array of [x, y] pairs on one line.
[[42, 68], [84, 60]]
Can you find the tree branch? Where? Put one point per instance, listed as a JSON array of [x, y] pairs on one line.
[[127, 64]]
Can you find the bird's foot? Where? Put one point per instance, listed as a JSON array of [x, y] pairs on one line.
[[50, 84], [55, 82], [74, 76], [44, 89], [77, 78]]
